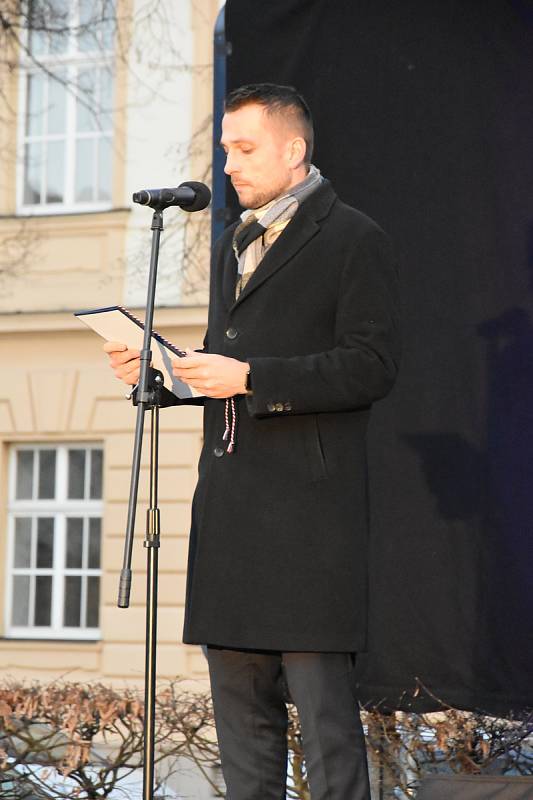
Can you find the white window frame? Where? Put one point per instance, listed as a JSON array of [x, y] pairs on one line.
[[60, 508], [72, 61]]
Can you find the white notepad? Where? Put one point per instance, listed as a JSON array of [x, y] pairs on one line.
[[117, 324]]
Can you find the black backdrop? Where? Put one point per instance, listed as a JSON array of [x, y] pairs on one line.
[[424, 121]]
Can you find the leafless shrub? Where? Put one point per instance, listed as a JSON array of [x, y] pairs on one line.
[[94, 734], [404, 747]]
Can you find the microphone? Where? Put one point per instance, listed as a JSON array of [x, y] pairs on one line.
[[190, 196]]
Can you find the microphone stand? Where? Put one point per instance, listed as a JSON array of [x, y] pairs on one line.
[[147, 396]]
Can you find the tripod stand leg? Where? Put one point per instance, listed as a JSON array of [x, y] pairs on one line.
[[152, 546]]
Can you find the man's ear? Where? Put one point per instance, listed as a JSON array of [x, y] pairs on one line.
[[297, 152]]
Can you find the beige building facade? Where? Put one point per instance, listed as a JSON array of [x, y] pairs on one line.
[[110, 109]]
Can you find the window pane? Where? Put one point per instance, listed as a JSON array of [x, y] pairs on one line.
[[96, 474], [104, 169], [95, 525], [43, 600], [87, 102], [47, 474], [106, 99], [22, 542], [57, 104], [89, 25], [55, 172], [34, 105], [84, 188], [37, 24], [98, 21], [21, 600], [76, 474], [24, 489], [74, 559], [38, 43], [71, 616], [33, 163], [58, 24], [108, 23], [45, 542], [93, 602]]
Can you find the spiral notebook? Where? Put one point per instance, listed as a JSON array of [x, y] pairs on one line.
[[117, 324]]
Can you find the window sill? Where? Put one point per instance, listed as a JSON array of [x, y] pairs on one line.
[[33, 213], [52, 637], [30, 641]]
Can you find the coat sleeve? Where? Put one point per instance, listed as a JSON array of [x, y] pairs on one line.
[[362, 365]]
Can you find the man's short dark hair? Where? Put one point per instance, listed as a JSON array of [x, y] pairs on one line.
[[276, 99]]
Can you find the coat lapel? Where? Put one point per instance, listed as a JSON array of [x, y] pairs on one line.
[[229, 277], [299, 231]]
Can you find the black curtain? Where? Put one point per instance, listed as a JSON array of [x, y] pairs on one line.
[[424, 120]]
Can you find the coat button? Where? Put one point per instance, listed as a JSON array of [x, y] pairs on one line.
[[218, 452], [279, 406], [271, 406], [232, 333]]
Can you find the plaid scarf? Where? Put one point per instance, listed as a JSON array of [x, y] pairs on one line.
[[260, 227]]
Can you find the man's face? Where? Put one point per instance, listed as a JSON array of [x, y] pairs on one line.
[[258, 154]]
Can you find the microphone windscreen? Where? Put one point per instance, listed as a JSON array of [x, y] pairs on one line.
[[142, 197], [202, 195]]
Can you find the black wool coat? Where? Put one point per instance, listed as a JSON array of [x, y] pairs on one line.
[[279, 535]]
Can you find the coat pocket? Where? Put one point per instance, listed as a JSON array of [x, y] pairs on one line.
[[314, 449]]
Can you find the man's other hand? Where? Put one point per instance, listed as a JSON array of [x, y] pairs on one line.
[[125, 363], [211, 374]]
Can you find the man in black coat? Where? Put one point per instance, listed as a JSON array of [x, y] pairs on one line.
[[302, 338]]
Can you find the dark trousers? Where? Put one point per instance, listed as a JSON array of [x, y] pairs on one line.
[[250, 690]]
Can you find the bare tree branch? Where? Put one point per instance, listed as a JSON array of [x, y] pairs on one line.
[[93, 735]]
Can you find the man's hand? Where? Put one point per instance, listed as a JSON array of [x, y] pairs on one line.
[[211, 374], [125, 363]]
